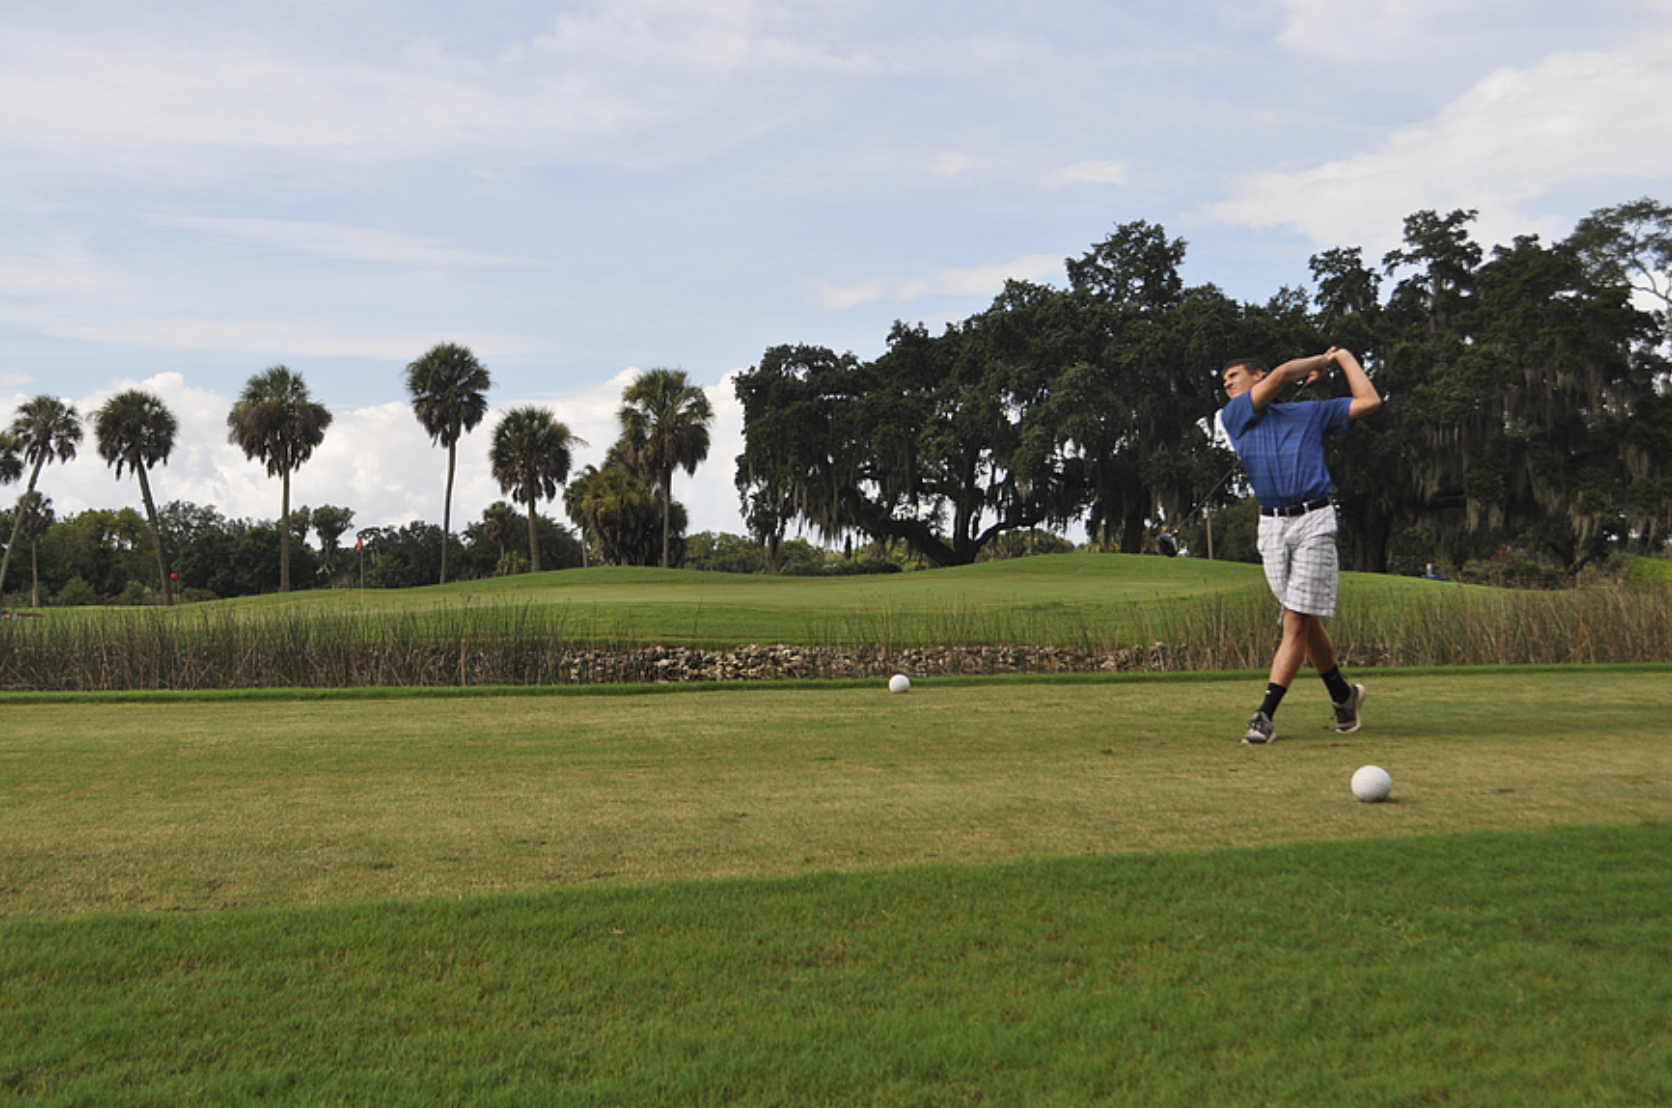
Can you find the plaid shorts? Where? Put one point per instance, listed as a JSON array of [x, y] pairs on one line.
[[1301, 563]]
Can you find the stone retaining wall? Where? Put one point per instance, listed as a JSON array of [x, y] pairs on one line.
[[778, 663]]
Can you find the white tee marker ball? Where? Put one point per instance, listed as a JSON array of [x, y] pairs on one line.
[[1372, 783], [899, 683]]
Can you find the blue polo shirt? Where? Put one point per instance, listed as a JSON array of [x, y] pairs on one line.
[[1282, 447]]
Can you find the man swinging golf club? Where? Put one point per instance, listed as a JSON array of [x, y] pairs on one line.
[[1282, 450]]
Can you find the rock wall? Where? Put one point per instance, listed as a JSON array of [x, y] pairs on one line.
[[778, 663]]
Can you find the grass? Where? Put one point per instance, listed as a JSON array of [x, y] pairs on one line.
[[1498, 968], [993, 891], [588, 626], [1059, 600], [191, 805]]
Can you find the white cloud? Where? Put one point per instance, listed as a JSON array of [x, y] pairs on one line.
[[133, 98], [1423, 37], [1086, 173], [52, 270], [341, 242], [710, 498], [969, 281], [207, 98], [140, 104], [1330, 28], [314, 337], [1516, 136], [950, 163]]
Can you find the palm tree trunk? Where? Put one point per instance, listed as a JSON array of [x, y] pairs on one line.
[[533, 540], [284, 537], [156, 536], [447, 508], [667, 508], [17, 523]]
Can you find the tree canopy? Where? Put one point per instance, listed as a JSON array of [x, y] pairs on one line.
[[1527, 387]]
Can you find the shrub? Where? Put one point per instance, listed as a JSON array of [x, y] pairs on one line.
[[76, 593], [1650, 571]]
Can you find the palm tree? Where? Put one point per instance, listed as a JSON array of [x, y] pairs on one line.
[[530, 458], [38, 518], [277, 423], [497, 520], [135, 429], [329, 523], [449, 396], [664, 423], [618, 510], [43, 430], [11, 466]]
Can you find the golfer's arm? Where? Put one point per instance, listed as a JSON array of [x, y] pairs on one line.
[[1365, 397], [1267, 388]]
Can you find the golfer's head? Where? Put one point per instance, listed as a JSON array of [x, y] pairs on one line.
[[1240, 375]]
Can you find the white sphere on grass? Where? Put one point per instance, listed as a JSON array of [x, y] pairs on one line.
[[1371, 784], [899, 683]]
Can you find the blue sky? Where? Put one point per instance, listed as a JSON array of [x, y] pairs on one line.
[[191, 192]]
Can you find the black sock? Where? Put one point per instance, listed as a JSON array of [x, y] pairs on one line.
[[1339, 690], [1274, 697]]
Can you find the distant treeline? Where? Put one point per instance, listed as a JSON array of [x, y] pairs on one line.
[[103, 556]]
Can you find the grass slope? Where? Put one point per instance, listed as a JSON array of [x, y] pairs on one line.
[[1070, 600]]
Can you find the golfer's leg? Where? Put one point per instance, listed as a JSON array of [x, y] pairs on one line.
[[1297, 637], [1319, 646]]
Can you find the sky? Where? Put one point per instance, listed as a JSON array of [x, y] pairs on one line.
[[192, 191]]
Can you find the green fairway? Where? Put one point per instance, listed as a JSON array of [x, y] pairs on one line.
[[1486, 969], [1002, 891], [194, 804]]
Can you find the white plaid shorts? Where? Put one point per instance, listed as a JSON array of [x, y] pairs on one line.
[[1301, 563]]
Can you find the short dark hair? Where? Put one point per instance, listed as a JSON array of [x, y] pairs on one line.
[[1254, 365]]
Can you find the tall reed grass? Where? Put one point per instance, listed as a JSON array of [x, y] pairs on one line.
[[1595, 624], [210, 648], [1449, 626]]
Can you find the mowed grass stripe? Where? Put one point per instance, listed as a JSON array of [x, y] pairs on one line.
[[210, 805], [1483, 969]]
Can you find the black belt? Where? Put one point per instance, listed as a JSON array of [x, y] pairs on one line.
[[1297, 509]]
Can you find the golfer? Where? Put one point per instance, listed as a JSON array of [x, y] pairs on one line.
[[1281, 447]]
